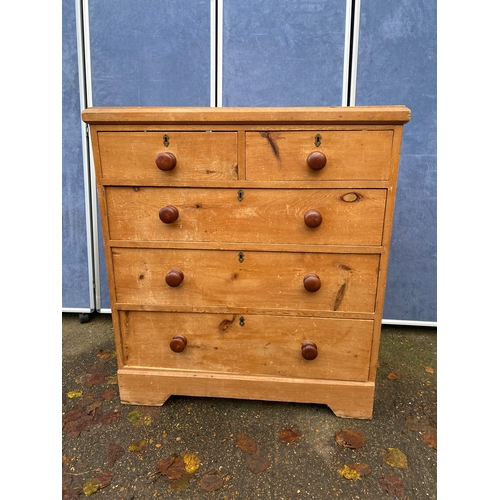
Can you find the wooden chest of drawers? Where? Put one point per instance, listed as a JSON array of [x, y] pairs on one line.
[[247, 249]]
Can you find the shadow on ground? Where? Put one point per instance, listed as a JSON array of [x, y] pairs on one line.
[[202, 448]]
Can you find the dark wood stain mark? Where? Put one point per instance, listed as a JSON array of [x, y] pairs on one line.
[[272, 143], [339, 296], [226, 324], [345, 267]]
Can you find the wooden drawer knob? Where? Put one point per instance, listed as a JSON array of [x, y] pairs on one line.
[[316, 160], [174, 277], [312, 283], [313, 218], [178, 343], [166, 161], [309, 350], [169, 214]]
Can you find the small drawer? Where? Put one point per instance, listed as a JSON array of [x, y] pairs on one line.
[[230, 279], [248, 345], [319, 155], [168, 156], [312, 217]]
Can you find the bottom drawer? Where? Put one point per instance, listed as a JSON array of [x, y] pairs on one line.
[[248, 345]]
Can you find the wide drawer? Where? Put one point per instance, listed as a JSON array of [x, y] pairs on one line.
[[199, 156], [349, 155], [248, 345], [347, 217], [262, 280]]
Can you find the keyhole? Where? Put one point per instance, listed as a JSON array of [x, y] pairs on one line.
[[317, 140], [240, 194], [242, 321]]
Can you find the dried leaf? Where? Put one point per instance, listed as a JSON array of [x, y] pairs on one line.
[[138, 446], [172, 467], [115, 452], [133, 416], [392, 484], [257, 462], [246, 443], [289, 435], [349, 473], [106, 354], [395, 458], [428, 369], [351, 438], [74, 394], [363, 469], [112, 380], [103, 417], [211, 482], [96, 378], [76, 421], [108, 394], [394, 376], [420, 424], [430, 439], [191, 462]]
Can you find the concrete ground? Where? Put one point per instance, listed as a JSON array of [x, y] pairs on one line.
[[202, 448]]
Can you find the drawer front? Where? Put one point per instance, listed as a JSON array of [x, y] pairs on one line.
[[262, 345], [347, 217], [199, 156], [262, 280], [349, 155]]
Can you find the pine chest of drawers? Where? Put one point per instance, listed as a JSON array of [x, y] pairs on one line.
[[247, 249]]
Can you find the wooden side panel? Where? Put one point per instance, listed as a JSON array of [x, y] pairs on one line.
[[349, 217], [200, 156], [257, 345], [350, 155], [269, 280]]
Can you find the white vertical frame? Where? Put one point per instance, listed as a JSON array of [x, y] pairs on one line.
[[216, 42], [351, 52], [347, 52], [354, 52]]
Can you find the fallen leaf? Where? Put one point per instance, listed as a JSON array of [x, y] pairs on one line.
[[246, 443], [96, 379], [97, 483], [363, 469], [420, 424], [392, 484], [108, 394], [428, 369], [395, 458], [394, 376], [74, 394], [191, 462], [107, 417], [349, 473], [211, 482], [289, 435], [256, 462], [133, 416], [138, 446], [430, 439], [112, 380], [104, 354], [172, 467], [115, 452], [351, 438], [76, 421]]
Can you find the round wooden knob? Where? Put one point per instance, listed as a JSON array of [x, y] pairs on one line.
[[174, 277], [313, 218], [178, 343], [316, 160], [309, 350], [168, 214], [312, 283], [166, 161]]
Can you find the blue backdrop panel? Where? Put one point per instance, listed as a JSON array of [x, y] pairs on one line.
[[148, 53], [397, 65], [283, 53], [76, 290]]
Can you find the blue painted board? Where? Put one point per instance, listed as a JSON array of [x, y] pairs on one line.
[[148, 53], [76, 286], [397, 65], [283, 53]]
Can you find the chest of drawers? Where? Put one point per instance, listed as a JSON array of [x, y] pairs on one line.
[[247, 249]]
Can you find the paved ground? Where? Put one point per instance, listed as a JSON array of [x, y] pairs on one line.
[[202, 448]]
